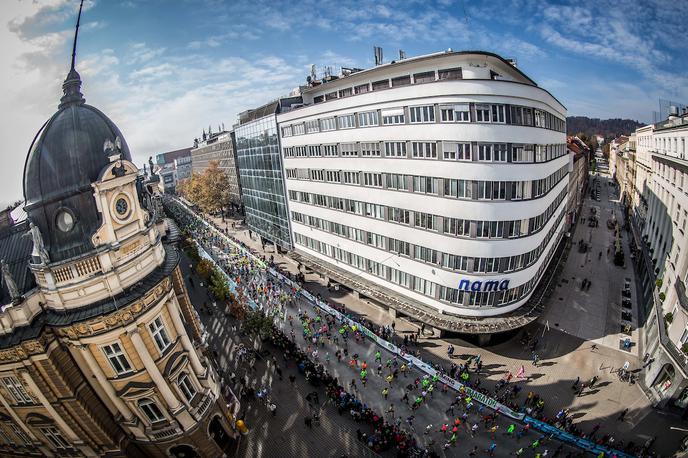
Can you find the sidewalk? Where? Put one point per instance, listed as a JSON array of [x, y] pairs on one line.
[[564, 358]]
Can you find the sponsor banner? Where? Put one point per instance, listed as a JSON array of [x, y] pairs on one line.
[[574, 440]]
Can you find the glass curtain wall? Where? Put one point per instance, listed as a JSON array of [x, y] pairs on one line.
[[262, 184]]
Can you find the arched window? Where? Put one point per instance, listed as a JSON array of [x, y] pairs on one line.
[[186, 387], [151, 410]]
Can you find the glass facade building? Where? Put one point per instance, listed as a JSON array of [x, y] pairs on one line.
[[262, 181]]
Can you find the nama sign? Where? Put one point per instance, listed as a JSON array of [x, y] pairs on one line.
[[483, 286]]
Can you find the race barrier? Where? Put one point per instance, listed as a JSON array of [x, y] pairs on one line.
[[482, 398]]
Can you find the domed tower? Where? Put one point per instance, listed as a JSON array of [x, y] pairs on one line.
[[102, 354]]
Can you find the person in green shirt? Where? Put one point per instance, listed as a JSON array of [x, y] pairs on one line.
[[510, 429]]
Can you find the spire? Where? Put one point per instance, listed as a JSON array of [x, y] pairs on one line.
[[72, 84]]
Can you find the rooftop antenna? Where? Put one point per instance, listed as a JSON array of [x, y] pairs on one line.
[[378, 55], [76, 34], [402, 54]]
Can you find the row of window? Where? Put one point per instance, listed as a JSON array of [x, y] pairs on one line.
[[456, 227], [446, 150], [446, 187], [424, 114], [420, 285], [405, 80], [448, 261]]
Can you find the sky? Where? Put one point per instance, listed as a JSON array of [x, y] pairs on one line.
[[163, 70]]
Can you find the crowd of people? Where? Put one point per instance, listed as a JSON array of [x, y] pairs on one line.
[[323, 342]]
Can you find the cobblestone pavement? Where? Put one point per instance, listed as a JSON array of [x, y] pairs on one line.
[[564, 357]]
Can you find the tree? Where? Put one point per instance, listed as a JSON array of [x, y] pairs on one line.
[[204, 268], [209, 190], [217, 284], [258, 324], [237, 308]]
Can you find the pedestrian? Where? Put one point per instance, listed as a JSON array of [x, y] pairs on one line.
[[622, 415], [521, 372], [292, 379], [308, 421], [575, 384], [474, 451], [385, 392], [510, 430], [273, 408], [491, 449]]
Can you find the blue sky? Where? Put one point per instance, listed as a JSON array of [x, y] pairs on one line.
[[163, 70]]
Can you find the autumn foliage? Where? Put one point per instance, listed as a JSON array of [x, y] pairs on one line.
[[209, 190]]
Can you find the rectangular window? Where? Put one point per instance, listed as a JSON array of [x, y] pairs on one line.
[[348, 149], [20, 433], [401, 81], [399, 246], [500, 152], [362, 89], [422, 114], [333, 176], [450, 74], [314, 151], [498, 113], [158, 331], [395, 149], [117, 358], [54, 437], [346, 121], [345, 92], [330, 150], [426, 221], [455, 113], [397, 181], [375, 211], [287, 131], [369, 118], [151, 410], [370, 149], [299, 129], [482, 113], [16, 389], [458, 227], [312, 126], [372, 179], [399, 215], [425, 185], [380, 85], [186, 387], [376, 240], [425, 77], [352, 178], [485, 153], [392, 116], [424, 150], [328, 124], [460, 189], [331, 96]]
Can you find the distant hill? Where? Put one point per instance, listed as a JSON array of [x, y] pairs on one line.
[[609, 128]]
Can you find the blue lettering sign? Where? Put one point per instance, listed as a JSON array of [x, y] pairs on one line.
[[477, 286]]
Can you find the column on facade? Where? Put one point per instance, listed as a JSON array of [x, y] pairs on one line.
[[196, 364], [94, 367], [170, 399], [71, 435]]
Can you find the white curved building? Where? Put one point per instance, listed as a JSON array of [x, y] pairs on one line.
[[440, 179]]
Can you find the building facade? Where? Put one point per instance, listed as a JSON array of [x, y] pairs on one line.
[[578, 177], [261, 172], [441, 179], [218, 147], [659, 219], [170, 167], [100, 351]]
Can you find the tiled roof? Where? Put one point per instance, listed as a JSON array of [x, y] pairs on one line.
[[15, 249]]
